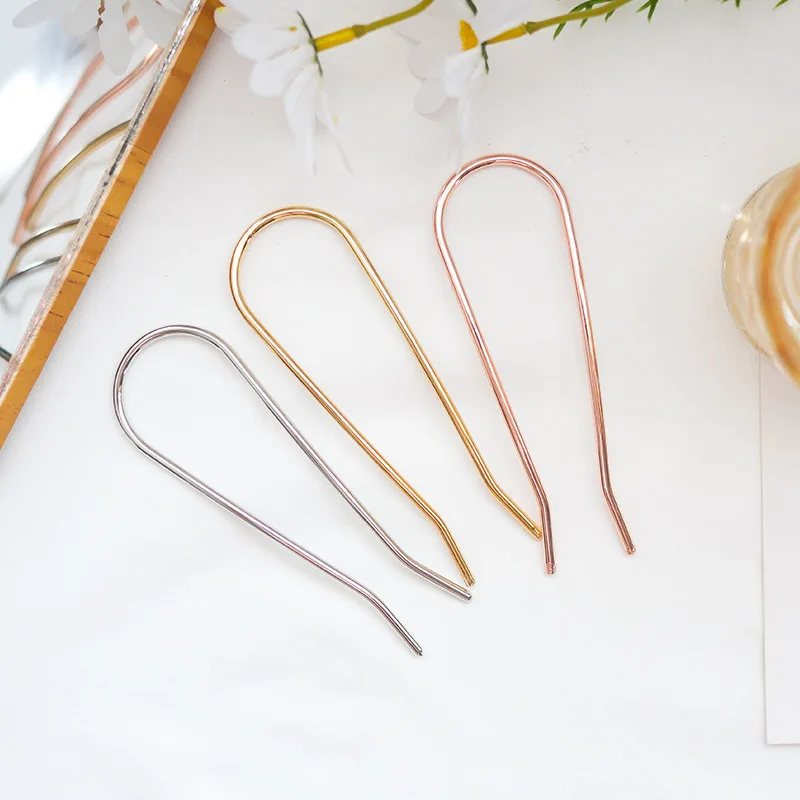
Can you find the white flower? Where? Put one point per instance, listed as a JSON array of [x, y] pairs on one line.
[[158, 19], [451, 57], [286, 65]]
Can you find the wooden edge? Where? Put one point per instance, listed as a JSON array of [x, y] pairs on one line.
[[105, 210]]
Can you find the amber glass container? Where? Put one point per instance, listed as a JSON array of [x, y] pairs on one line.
[[761, 270]]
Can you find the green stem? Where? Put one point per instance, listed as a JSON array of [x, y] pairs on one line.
[[528, 28], [362, 30], [357, 31], [532, 27]]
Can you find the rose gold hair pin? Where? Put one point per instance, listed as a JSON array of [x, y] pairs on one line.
[[40, 186], [489, 366]]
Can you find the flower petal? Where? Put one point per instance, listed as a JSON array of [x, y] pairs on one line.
[[36, 12], [325, 116], [438, 20], [300, 106], [82, 17], [259, 42], [461, 9], [178, 6], [460, 69], [498, 16], [300, 99], [229, 19], [264, 11], [430, 97], [114, 39], [157, 22], [467, 107], [271, 78], [427, 58]]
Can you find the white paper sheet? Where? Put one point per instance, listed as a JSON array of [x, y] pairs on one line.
[[780, 422]]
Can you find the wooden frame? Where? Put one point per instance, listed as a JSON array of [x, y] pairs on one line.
[[101, 218]]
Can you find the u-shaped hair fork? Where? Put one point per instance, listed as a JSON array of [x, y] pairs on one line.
[[303, 212], [491, 370], [305, 446], [41, 186]]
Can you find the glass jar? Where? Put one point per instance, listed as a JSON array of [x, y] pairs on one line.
[[761, 270]]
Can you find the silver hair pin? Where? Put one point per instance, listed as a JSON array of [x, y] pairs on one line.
[[291, 429], [16, 278]]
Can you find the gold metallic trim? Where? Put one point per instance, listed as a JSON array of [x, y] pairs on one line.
[[302, 212]]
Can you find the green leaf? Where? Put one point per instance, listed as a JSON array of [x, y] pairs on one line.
[[586, 5], [650, 7]]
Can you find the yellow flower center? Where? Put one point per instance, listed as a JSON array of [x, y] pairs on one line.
[[468, 37]]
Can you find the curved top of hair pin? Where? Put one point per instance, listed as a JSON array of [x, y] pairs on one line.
[[303, 212], [38, 204], [15, 265], [57, 141], [259, 525], [434, 379], [491, 370]]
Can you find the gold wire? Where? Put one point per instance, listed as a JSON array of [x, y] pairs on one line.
[[254, 322], [54, 182], [423, 360]]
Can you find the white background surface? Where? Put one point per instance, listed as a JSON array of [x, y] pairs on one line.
[[155, 647]]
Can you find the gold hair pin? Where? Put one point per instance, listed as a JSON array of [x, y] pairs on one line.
[[301, 212]]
